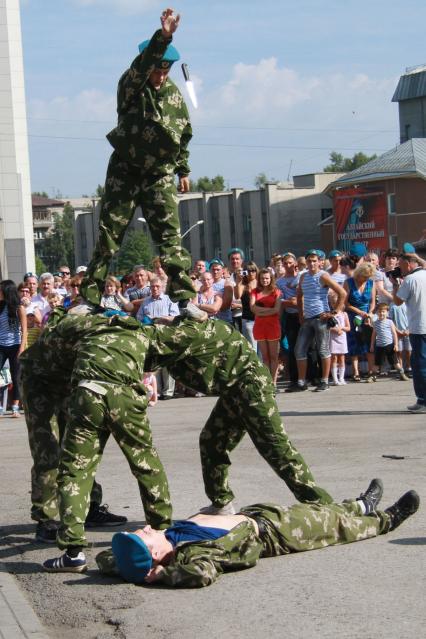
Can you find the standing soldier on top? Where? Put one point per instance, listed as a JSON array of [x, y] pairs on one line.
[[150, 147]]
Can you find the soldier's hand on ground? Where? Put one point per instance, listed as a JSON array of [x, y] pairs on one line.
[[154, 574], [169, 22]]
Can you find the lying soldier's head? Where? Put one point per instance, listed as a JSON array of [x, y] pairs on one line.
[[137, 553]]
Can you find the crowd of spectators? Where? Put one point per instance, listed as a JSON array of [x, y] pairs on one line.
[[314, 320]]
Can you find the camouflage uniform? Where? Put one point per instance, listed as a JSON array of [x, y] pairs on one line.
[[45, 392], [106, 397], [213, 358], [150, 143], [282, 531]]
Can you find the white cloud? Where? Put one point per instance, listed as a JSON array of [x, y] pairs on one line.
[[272, 95], [123, 6], [89, 105]]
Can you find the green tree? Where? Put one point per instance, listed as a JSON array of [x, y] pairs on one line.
[[40, 193], [206, 184], [136, 249], [339, 164], [261, 179], [58, 247], [100, 190]]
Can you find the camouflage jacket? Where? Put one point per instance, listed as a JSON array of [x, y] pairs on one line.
[[153, 129], [92, 347], [210, 357]]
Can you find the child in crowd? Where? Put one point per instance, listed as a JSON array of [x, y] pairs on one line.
[[338, 343], [398, 315], [150, 381], [384, 342], [54, 300], [33, 328], [113, 298]]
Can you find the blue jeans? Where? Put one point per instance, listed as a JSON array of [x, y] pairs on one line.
[[418, 366]]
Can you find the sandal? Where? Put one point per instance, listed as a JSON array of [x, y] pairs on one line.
[[356, 378]]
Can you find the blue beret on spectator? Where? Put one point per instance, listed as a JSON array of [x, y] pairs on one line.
[[171, 55], [407, 247], [216, 260], [335, 253], [316, 252], [358, 249], [132, 557]]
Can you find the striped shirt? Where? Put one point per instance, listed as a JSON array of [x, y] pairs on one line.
[[315, 295], [219, 287], [161, 306], [339, 278], [288, 289], [9, 335], [383, 330]]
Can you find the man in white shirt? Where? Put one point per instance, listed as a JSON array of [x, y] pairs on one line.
[[159, 307], [46, 283], [413, 292]]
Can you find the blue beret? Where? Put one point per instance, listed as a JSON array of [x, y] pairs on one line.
[[215, 260], [407, 247], [358, 249], [171, 55], [335, 253], [132, 557], [316, 252]]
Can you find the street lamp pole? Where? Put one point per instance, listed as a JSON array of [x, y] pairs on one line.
[[191, 227]]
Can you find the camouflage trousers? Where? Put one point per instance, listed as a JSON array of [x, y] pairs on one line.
[[45, 416], [250, 406], [312, 526], [126, 185], [94, 415]]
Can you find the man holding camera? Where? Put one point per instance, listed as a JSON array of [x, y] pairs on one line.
[[412, 291], [315, 317]]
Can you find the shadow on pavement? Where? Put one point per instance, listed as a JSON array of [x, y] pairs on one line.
[[409, 541], [20, 567]]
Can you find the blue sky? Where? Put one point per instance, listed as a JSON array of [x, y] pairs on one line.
[[280, 84]]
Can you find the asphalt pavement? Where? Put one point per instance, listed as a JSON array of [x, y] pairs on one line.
[[372, 589]]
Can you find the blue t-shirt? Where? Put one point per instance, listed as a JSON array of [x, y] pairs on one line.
[[184, 530]]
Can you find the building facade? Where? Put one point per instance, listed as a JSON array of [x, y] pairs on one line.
[[264, 221], [16, 229]]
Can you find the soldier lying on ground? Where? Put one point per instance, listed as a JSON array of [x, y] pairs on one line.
[[195, 552]]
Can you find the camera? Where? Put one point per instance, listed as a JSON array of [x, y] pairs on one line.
[[244, 273], [395, 273], [331, 322]]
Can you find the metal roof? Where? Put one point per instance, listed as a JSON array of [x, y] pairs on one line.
[[405, 160], [411, 85]]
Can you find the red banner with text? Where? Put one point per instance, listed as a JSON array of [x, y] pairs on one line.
[[360, 215]]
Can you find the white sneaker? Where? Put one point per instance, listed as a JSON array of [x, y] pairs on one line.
[[417, 408], [342, 382], [228, 509]]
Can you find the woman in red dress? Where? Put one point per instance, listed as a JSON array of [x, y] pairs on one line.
[[265, 304]]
